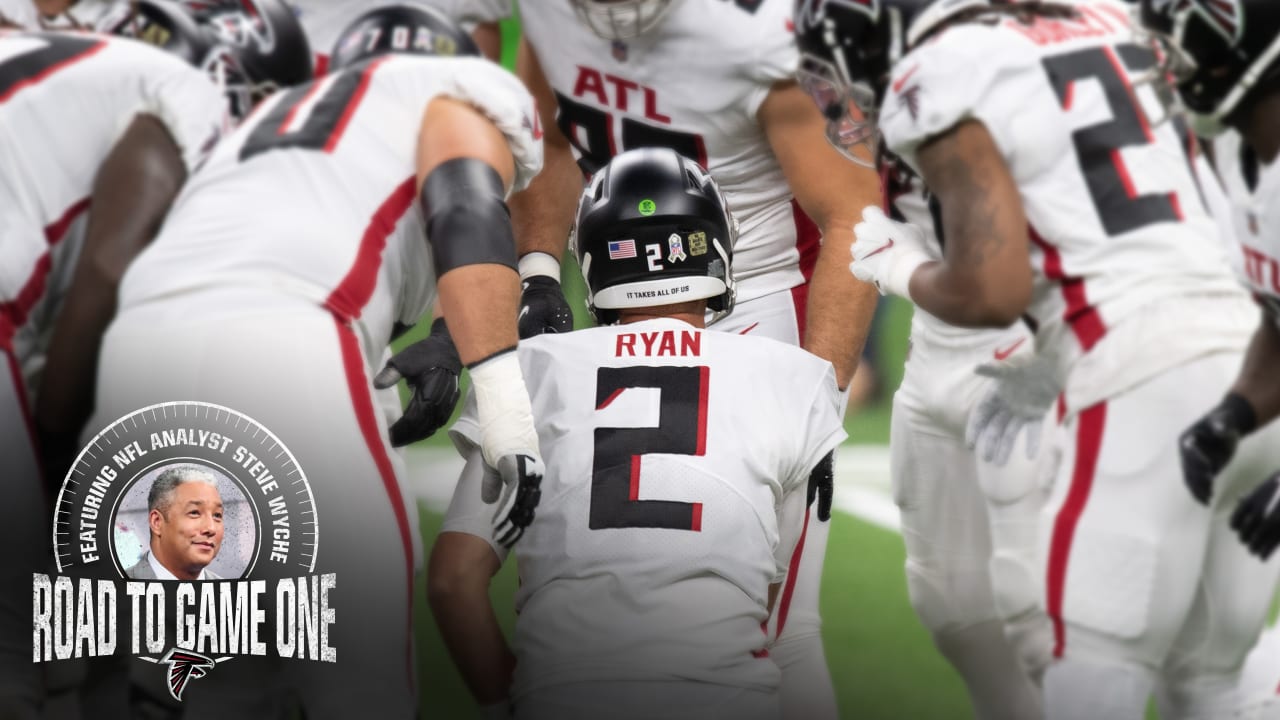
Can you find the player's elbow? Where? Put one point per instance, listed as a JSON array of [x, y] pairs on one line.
[[1001, 304]]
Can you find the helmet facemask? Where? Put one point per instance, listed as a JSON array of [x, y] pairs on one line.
[[621, 19]]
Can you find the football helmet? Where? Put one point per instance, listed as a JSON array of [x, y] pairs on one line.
[[653, 228], [1218, 53], [621, 19], [249, 47], [400, 29]]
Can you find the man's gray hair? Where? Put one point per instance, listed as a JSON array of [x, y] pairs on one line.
[[161, 494]]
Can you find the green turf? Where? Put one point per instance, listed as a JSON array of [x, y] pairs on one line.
[[882, 661]]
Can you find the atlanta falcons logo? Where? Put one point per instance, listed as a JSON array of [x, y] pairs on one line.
[[809, 12], [184, 666]]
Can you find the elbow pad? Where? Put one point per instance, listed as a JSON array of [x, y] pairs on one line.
[[467, 219]]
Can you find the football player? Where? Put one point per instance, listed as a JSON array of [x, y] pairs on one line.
[[646, 578], [713, 81], [278, 281], [100, 135], [1093, 225]]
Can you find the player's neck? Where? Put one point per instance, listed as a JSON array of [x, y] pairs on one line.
[[692, 312], [1262, 131]]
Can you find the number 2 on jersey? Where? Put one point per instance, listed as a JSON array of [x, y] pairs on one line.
[[615, 466], [1099, 146]]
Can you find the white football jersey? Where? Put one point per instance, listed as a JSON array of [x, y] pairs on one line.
[[1117, 223], [65, 99], [315, 195], [1254, 192], [694, 84], [668, 462], [324, 20]]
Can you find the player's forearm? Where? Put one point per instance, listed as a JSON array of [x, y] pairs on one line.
[[480, 303], [961, 298], [1258, 382], [131, 196], [488, 37], [542, 215], [840, 308], [458, 577]]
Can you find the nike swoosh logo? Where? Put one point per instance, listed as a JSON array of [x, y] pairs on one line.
[[879, 250], [1004, 354], [523, 311], [897, 84], [749, 329]]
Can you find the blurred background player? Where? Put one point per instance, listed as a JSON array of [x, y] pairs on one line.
[[1134, 307], [100, 135], [276, 286], [714, 82], [969, 502], [646, 575]]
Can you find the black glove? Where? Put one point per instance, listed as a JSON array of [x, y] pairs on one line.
[[543, 308], [431, 368], [822, 485], [516, 485], [1256, 519], [1207, 446]]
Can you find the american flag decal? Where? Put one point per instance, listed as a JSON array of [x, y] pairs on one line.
[[622, 249]]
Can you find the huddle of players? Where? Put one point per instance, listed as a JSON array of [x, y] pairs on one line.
[[1141, 583]]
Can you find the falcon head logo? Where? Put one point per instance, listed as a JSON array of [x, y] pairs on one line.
[[1225, 17], [185, 666]]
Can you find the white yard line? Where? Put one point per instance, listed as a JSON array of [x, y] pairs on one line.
[[862, 481]]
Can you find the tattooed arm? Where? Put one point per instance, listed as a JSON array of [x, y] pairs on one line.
[[984, 279]]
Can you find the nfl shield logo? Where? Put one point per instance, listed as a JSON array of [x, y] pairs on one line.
[[619, 51]]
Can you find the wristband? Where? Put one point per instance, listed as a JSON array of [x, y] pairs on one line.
[[538, 263], [1236, 413]]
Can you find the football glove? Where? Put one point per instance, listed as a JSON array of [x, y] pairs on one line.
[[887, 252], [516, 486], [431, 367], [1256, 520], [543, 308], [822, 485], [1208, 446], [1025, 387]]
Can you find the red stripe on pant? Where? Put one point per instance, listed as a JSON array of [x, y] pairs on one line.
[[793, 570], [362, 403], [1089, 432]]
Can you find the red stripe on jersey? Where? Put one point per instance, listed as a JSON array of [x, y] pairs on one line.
[[353, 293], [609, 400], [365, 78], [1083, 318], [704, 390], [808, 243], [362, 403], [14, 313], [1070, 95], [1128, 88], [696, 524], [1177, 204], [793, 569], [634, 493], [321, 65], [1123, 171], [1088, 446], [287, 125], [45, 73]]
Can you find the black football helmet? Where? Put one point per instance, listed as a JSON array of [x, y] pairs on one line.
[[1219, 53], [249, 47], [400, 29], [653, 228]]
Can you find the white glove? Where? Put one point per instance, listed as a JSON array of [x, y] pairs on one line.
[[1025, 387], [509, 443], [887, 252]]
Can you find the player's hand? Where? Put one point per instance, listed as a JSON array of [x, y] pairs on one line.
[[543, 308], [822, 485], [431, 367], [516, 486], [887, 253], [1208, 446], [1025, 387], [1256, 519]]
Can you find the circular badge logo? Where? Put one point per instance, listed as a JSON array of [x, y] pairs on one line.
[[219, 489]]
